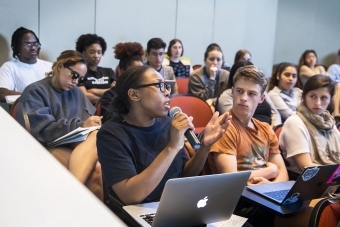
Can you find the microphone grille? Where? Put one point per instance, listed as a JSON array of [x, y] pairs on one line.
[[174, 110]]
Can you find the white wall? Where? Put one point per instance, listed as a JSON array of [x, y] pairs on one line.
[[307, 24], [272, 30]]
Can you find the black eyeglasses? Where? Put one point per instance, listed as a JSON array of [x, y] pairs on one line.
[[29, 45], [161, 85], [74, 75]]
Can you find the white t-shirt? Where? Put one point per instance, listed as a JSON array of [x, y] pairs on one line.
[[16, 75], [295, 139]]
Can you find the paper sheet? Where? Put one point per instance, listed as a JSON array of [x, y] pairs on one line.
[[233, 221]]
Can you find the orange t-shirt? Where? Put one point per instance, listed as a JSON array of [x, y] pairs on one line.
[[250, 146]]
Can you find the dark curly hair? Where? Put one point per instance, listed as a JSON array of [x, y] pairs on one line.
[[277, 71], [88, 39], [130, 78], [17, 38], [155, 43], [127, 53]]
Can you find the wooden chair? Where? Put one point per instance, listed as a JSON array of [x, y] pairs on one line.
[[183, 85], [195, 107], [325, 213]]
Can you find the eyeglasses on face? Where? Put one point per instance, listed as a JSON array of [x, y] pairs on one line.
[[161, 85], [74, 75], [29, 45]]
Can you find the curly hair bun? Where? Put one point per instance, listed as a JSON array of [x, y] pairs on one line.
[[123, 50]]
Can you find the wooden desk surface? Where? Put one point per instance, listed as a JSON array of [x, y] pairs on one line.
[[260, 201]]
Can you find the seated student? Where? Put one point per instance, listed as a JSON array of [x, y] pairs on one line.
[[16, 74], [55, 106], [308, 66], [181, 66], [142, 151], [97, 79], [206, 82], [265, 111], [282, 91], [129, 55], [310, 137], [155, 51], [248, 144], [242, 55], [334, 70]]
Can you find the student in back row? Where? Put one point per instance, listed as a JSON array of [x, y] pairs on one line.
[[155, 52], [97, 79], [248, 144], [16, 74]]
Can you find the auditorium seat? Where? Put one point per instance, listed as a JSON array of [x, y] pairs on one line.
[[183, 85], [195, 107], [325, 213]]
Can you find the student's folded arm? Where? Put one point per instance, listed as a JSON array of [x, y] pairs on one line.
[[4, 92], [98, 91], [197, 88], [306, 71], [90, 96], [282, 171], [303, 160]]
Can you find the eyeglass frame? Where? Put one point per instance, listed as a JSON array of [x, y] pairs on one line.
[[74, 74], [165, 86], [31, 44]]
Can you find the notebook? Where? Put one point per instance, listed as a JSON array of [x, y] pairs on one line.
[[192, 201], [311, 184]]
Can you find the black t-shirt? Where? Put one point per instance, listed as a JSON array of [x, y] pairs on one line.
[[101, 79], [125, 150], [263, 112], [106, 104], [180, 69]]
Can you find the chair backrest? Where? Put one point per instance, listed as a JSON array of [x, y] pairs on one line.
[[277, 129], [183, 85], [19, 113], [325, 213], [196, 67], [98, 108], [14, 108], [193, 106]]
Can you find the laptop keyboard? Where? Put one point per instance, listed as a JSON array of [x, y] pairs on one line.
[[277, 195], [148, 217]]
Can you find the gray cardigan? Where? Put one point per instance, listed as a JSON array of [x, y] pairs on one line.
[[201, 86]]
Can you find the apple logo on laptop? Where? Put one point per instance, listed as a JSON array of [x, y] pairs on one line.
[[202, 202]]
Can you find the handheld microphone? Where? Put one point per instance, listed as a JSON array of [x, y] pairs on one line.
[[189, 134]]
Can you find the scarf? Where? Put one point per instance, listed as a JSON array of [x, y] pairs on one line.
[[325, 142]]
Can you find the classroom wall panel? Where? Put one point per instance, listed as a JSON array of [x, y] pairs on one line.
[[260, 32], [134, 21], [307, 24], [15, 14], [195, 27], [62, 22]]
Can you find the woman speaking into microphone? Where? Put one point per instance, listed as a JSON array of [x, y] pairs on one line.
[[142, 147]]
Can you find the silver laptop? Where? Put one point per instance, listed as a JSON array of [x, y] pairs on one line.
[[192, 201], [311, 184]]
